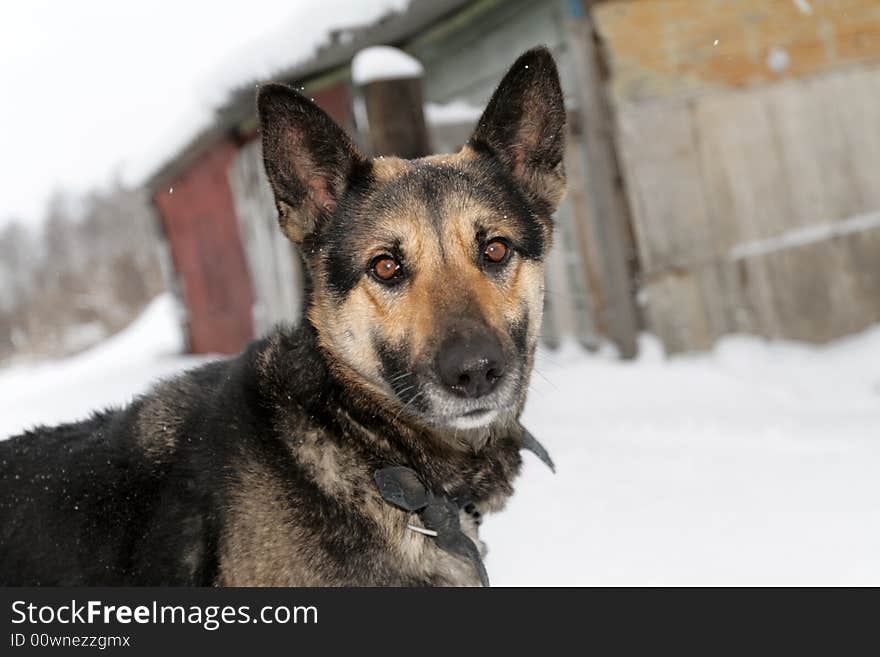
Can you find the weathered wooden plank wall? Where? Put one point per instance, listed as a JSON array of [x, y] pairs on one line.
[[756, 206], [753, 209], [601, 210]]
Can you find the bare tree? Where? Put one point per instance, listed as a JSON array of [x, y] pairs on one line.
[[93, 266]]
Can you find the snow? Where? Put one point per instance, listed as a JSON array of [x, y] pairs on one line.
[[803, 6], [778, 59], [384, 63], [807, 235], [754, 464], [106, 375]]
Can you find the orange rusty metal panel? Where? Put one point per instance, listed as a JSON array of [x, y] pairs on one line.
[[664, 48]]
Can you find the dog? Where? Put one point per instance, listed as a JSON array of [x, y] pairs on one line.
[[361, 447]]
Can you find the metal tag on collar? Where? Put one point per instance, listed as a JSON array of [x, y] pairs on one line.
[[401, 486]]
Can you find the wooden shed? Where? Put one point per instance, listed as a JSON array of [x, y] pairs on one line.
[[723, 163], [749, 135]]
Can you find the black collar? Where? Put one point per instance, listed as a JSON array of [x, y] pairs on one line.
[[402, 487]]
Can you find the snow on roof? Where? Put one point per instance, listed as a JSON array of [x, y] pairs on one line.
[[323, 34], [384, 63], [313, 26]]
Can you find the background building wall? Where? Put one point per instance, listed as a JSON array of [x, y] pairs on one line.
[[751, 156], [199, 220]]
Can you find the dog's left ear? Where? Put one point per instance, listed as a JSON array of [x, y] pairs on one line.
[[309, 159], [523, 126]]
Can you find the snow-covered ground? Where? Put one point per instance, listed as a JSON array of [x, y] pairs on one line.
[[755, 464], [109, 374]]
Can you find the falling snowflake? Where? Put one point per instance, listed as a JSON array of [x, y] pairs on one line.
[[778, 59]]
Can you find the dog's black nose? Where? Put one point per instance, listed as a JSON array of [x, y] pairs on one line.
[[470, 364]]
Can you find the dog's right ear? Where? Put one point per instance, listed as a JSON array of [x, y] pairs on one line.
[[308, 159]]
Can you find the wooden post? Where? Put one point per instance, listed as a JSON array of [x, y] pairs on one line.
[[390, 82], [608, 232]]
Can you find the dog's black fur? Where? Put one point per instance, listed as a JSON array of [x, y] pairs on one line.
[[259, 469]]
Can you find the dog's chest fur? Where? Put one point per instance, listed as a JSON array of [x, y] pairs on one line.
[[272, 541], [330, 526]]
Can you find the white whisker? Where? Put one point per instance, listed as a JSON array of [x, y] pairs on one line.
[[412, 399]]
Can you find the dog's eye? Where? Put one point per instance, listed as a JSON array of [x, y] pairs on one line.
[[385, 268], [497, 251]]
